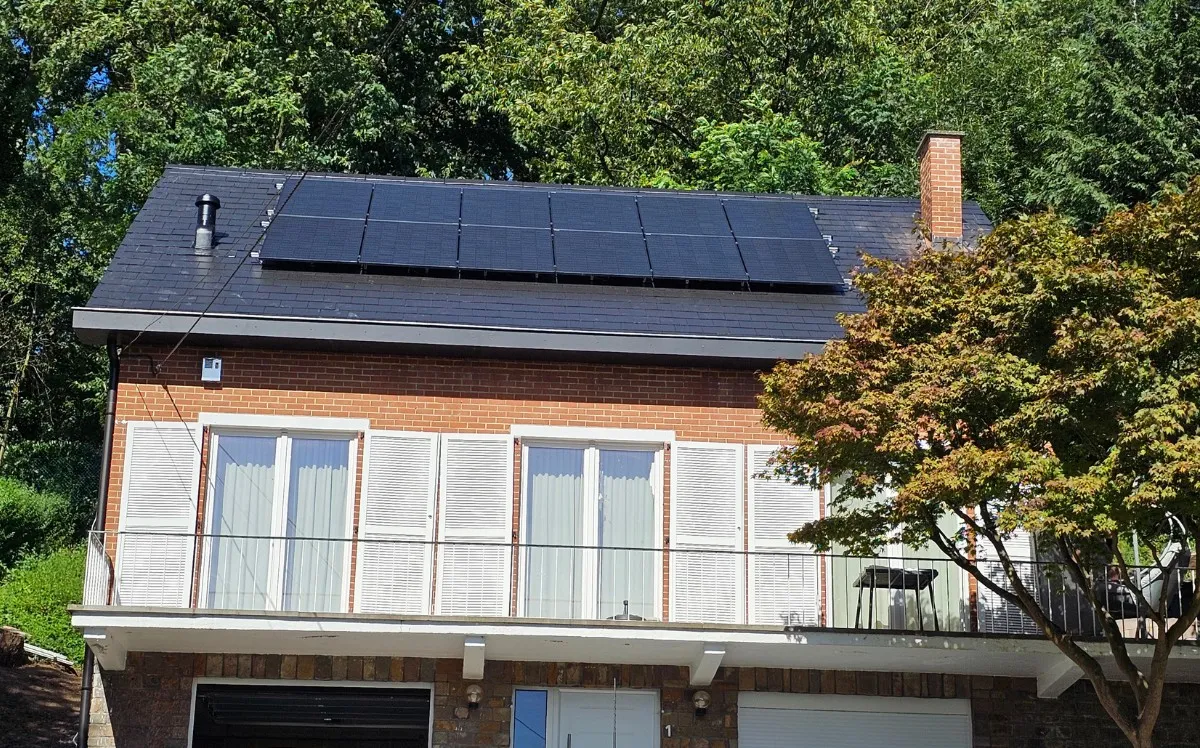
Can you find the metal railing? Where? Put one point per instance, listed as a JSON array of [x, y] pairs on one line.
[[792, 589]]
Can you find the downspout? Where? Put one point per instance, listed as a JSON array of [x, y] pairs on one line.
[[110, 417]]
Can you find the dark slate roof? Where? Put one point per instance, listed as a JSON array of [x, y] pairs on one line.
[[159, 284]]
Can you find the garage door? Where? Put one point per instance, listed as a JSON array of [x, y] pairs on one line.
[[772, 720]]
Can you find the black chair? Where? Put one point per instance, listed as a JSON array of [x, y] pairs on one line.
[[891, 578]]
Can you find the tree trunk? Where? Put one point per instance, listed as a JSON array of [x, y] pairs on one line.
[[14, 395]]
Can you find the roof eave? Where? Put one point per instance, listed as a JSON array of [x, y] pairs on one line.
[[94, 327]]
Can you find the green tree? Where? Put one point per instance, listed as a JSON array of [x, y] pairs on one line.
[[1048, 381]]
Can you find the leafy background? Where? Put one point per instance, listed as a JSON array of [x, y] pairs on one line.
[[1079, 106]]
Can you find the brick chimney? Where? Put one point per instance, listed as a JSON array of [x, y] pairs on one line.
[[940, 155]]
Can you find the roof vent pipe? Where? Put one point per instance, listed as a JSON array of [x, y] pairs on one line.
[[206, 220]]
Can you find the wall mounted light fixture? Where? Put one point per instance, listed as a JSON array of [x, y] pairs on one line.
[[474, 696], [702, 700]]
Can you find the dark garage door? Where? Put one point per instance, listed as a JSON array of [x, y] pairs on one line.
[[261, 716]]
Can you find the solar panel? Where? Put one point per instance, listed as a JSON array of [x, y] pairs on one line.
[[506, 206], [695, 257], [683, 215], [505, 249], [771, 260], [303, 239], [601, 253], [331, 198], [408, 244], [407, 201], [789, 219], [595, 211]]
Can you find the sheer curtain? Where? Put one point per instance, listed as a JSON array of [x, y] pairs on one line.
[[553, 515], [627, 511], [314, 574], [240, 550]]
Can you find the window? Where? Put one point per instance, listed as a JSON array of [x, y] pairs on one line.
[[579, 718], [278, 524], [590, 525]]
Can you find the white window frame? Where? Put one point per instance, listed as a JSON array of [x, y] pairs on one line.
[[587, 440], [308, 428], [553, 716], [209, 681]]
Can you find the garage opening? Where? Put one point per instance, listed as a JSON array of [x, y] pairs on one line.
[[778, 720], [254, 716]]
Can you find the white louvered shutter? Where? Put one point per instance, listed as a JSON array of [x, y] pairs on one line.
[[707, 542], [997, 615], [158, 514], [475, 512], [395, 555], [784, 582]]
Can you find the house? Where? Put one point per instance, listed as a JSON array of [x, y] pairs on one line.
[[398, 462]]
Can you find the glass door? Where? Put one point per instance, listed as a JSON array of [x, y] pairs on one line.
[[590, 516], [277, 533], [626, 529]]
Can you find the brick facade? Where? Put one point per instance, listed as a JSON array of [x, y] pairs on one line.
[[148, 705], [940, 158]]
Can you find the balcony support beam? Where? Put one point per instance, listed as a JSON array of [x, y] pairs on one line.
[[109, 653], [1057, 677], [473, 658], [704, 669]]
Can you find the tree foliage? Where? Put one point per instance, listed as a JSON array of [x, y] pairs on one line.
[[1048, 381]]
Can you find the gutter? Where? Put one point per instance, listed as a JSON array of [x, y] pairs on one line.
[[110, 417], [94, 325]]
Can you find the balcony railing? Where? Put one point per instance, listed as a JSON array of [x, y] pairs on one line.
[[791, 589]]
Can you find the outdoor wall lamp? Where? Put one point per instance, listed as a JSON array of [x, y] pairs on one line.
[[474, 696], [702, 700]]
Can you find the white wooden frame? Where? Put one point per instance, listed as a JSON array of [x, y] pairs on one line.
[[443, 454], [208, 681], [193, 480], [553, 714], [754, 548], [279, 501], [434, 476], [591, 488], [740, 591]]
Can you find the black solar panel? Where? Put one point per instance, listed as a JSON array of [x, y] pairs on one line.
[[713, 258], [766, 217], [601, 253], [595, 211], [505, 249], [415, 202], [506, 206], [789, 261], [407, 244], [314, 196], [683, 215], [303, 239]]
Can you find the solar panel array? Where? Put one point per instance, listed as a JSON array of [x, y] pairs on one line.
[[548, 232]]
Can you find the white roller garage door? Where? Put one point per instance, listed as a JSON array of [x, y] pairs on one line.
[[775, 720]]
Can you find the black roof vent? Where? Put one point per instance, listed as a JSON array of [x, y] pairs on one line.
[[206, 221]]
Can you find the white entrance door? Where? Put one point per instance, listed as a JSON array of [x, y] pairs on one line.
[[769, 720], [595, 719]]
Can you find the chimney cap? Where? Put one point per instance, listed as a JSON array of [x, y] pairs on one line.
[[207, 199], [956, 134]]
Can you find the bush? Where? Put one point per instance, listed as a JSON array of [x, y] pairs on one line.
[[32, 522], [67, 468], [35, 595]]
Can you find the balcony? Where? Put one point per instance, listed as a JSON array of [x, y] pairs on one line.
[[174, 592]]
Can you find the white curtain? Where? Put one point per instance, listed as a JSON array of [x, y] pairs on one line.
[[239, 550], [314, 574], [626, 534], [553, 516]]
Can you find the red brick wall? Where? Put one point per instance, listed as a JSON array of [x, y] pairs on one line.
[[148, 704], [941, 185], [446, 395]]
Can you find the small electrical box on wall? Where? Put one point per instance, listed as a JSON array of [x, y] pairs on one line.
[[210, 369]]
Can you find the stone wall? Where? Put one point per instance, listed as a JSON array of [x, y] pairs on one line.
[[148, 705]]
